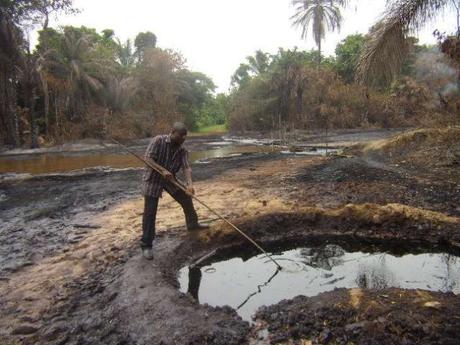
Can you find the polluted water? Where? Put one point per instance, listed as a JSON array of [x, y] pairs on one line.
[[245, 285]]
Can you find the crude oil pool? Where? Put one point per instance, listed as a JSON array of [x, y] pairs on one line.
[[247, 284]]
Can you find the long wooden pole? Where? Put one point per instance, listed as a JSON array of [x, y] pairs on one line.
[[158, 168]]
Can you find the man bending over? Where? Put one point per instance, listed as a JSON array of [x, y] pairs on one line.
[[167, 151]]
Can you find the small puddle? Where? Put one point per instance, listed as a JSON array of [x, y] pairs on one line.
[[315, 152], [247, 285]]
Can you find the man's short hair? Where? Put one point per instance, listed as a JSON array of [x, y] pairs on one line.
[[179, 127]]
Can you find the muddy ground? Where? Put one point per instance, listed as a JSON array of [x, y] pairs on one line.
[[71, 273]]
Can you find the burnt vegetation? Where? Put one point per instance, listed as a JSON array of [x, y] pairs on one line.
[[78, 83]]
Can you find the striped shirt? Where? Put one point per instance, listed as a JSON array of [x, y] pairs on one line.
[[172, 158]]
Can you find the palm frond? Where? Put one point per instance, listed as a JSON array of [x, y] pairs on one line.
[[386, 47], [343, 3], [383, 54], [76, 70], [119, 92], [93, 83]]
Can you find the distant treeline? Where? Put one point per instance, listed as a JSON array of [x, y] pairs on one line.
[[79, 83], [296, 89]]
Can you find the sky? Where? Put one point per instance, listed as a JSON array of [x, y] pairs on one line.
[[215, 36]]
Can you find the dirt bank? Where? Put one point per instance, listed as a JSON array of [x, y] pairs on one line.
[[356, 316], [72, 274]]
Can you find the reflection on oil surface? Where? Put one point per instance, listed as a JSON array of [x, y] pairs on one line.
[[50, 163], [247, 285]]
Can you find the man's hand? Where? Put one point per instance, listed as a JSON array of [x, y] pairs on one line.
[[190, 190], [167, 175]]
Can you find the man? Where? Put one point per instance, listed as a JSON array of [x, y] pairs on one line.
[[167, 151]]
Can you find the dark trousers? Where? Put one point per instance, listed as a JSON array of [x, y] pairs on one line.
[[150, 214]]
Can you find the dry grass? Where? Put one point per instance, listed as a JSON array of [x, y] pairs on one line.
[[361, 215], [379, 214], [416, 139], [425, 149]]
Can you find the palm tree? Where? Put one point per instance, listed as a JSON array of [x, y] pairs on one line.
[[28, 78], [118, 92], [241, 75], [387, 45], [82, 74], [81, 70], [125, 54], [321, 14], [259, 62], [287, 84], [254, 66]]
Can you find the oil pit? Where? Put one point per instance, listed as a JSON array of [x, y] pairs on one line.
[[246, 283]]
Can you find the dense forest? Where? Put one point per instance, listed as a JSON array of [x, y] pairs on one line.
[[291, 90], [78, 83], [382, 79]]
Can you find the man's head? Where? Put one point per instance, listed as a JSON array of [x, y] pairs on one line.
[[178, 133]]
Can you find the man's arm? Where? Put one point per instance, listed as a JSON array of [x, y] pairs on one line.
[[188, 173], [188, 177]]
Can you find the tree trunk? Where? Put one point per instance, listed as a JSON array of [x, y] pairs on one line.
[[8, 55], [9, 110], [46, 21], [30, 104], [319, 53], [3, 108], [56, 114], [46, 101], [458, 19], [299, 96]]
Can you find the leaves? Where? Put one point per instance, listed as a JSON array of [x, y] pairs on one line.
[[387, 45], [321, 14]]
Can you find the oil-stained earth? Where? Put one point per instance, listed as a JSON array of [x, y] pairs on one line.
[[71, 270]]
